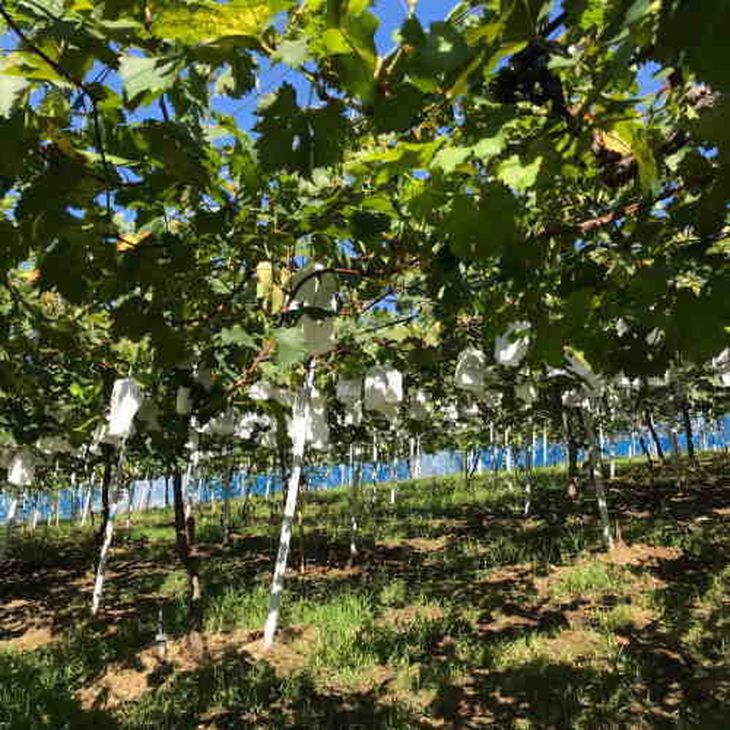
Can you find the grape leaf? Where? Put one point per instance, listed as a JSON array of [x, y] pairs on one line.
[[519, 175], [696, 32], [299, 140], [290, 346], [480, 228], [293, 53], [146, 76], [206, 21], [236, 335]]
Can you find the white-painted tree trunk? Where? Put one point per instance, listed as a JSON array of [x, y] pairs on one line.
[[494, 453], [199, 491], [117, 500], [373, 487], [594, 455], [9, 523], [148, 496], [544, 446], [212, 498], [87, 506], [187, 491], [607, 451], [130, 506], [533, 448], [528, 497], [351, 465], [528, 474], [35, 516], [703, 434], [104, 557], [226, 511], [354, 509], [85, 494], [509, 465], [601, 441], [301, 416], [390, 474]]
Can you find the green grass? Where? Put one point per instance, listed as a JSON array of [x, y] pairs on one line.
[[460, 606], [337, 648], [587, 645], [237, 608], [588, 580]]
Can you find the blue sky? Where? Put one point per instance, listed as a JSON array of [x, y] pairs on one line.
[[391, 13]]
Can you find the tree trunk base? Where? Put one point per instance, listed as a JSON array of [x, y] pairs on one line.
[[194, 645]]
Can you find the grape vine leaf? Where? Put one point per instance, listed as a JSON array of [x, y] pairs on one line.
[[479, 228], [290, 346], [696, 32], [299, 140], [201, 22], [146, 77]]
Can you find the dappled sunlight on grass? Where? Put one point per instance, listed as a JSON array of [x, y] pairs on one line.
[[458, 610]]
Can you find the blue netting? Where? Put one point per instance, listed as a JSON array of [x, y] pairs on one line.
[[150, 494]]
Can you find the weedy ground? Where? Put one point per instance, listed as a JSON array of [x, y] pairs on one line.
[[459, 612]]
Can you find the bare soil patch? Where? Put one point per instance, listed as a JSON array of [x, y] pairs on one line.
[[419, 544], [31, 638], [121, 683], [403, 617], [640, 555]]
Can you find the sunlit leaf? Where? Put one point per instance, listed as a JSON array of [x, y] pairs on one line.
[[206, 21]]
